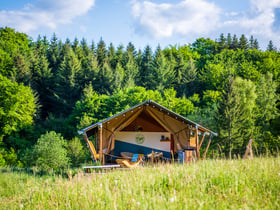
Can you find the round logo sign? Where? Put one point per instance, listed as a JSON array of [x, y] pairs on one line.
[[140, 138]]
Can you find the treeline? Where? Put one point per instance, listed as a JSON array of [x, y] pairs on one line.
[[50, 89]]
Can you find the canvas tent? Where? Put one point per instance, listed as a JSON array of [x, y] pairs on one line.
[[145, 127]]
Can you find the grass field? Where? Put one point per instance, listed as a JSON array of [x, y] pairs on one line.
[[211, 184]]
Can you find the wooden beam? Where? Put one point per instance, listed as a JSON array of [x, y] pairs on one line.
[[196, 143], [89, 146], [100, 142], [249, 149], [209, 142], [201, 141]]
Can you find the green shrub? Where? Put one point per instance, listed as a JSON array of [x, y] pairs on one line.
[[50, 152]]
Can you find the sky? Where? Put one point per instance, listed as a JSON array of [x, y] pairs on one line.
[[150, 22]]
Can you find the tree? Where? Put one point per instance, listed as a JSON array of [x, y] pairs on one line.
[[42, 80], [164, 75], [243, 43], [50, 152], [14, 52], [131, 71], [146, 72], [75, 151], [101, 53], [246, 90], [251, 43], [112, 57], [118, 76], [271, 47], [67, 90], [105, 79], [53, 54], [229, 117], [235, 43], [266, 104], [222, 42], [17, 106], [229, 40]]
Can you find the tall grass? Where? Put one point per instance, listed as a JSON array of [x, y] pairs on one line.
[[211, 184]]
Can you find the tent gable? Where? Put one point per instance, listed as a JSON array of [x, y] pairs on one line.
[[146, 123]]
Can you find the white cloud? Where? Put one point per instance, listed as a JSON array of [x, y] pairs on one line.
[[166, 20], [45, 13], [258, 20]]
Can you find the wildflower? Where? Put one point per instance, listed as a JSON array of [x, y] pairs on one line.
[[172, 200], [101, 185], [21, 205], [116, 181], [138, 203]]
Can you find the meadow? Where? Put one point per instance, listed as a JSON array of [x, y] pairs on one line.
[[209, 184]]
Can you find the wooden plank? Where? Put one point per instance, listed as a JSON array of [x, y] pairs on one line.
[[196, 143], [205, 152], [201, 141], [105, 166], [100, 143], [90, 146], [249, 149], [188, 156]]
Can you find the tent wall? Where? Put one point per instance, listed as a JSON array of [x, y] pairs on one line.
[[151, 139]]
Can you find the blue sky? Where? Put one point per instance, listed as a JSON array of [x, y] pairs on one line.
[[150, 22]]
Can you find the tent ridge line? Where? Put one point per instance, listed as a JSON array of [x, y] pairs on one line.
[[148, 102]]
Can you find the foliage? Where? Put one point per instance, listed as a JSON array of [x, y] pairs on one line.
[[75, 151], [50, 152], [17, 106]]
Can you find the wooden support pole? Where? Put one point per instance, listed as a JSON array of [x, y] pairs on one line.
[[201, 141], [88, 145], [249, 149], [196, 143], [100, 143], [205, 152]]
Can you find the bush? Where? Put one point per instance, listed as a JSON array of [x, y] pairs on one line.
[[50, 152], [75, 151]]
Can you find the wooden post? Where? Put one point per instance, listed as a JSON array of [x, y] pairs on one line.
[[249, 149], [196, 143], [202, 139], [204, 154], [100, 143]]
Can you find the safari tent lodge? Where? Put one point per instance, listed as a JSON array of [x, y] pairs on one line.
[[144, 129]]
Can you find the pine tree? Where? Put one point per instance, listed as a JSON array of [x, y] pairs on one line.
[[163, 74], [105, 79], [112, 57], [67, 90], [101, 53], [118, 76], [229, 40], [271, 47], [266, 101], [229, 118], [243, 43], [146, 69], [131, 70], [222, 42], [235, 43], [53, 54], [42, 80], [251, 43], [256, 44]]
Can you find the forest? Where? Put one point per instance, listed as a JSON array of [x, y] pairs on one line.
[[49, 89]]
